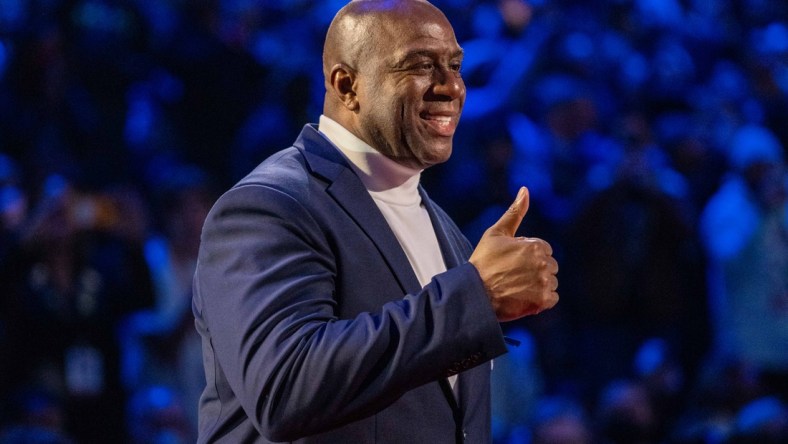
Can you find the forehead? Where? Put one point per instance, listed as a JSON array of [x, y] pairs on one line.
[[402, 33]]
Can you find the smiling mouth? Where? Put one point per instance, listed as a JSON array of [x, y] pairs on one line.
[[440, 125]]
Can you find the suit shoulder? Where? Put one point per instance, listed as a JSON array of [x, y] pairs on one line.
[[284, 171], [280, 185]]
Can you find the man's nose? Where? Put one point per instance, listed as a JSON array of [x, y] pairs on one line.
[[448, 83]]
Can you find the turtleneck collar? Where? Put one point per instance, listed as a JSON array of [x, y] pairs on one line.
[[384, 178]]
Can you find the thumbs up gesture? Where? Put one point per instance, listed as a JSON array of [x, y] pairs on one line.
[[519, 273]]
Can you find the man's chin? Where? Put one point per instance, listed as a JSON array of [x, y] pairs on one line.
[[436, 156]]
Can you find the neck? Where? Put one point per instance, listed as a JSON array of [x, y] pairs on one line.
[[377, 172]]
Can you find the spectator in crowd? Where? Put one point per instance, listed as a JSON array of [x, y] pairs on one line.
[[36, 416], [156, 415], [625, 414], [516, 386], [68, 283], [762, 421], [744, 228], [634, 271], [160, 345], [560, 420]]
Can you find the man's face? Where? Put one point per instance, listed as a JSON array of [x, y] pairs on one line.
[[410, 92]]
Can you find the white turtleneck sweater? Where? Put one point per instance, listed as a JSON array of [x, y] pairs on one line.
[[394, 188]]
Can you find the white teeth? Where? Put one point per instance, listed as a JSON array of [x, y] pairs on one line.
[[443, 125]]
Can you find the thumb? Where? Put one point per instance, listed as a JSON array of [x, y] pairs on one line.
[[508, 223]]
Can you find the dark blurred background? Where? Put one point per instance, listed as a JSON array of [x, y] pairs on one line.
[[651, 133]]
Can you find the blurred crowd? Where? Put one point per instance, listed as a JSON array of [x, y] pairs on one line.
[[652, 135]]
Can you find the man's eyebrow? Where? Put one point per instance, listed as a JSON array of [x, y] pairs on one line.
[[426, 53]]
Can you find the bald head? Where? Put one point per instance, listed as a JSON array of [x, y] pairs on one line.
[[355, 29]]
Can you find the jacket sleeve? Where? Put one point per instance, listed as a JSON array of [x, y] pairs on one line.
[[265, 291]]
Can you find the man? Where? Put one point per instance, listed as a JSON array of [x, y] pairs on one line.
[[336, 301], [744, 228]]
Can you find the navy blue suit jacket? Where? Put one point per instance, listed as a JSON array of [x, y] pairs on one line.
[[314, 326]]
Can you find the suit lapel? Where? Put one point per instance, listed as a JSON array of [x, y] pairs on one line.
[[349, 192], [449, 250]]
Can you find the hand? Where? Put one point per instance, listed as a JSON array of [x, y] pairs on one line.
[[519, 273]]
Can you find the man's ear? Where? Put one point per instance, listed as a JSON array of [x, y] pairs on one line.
[[343, 84]]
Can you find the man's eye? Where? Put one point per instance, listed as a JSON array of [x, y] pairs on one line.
[[425, 67], [430, 67]]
